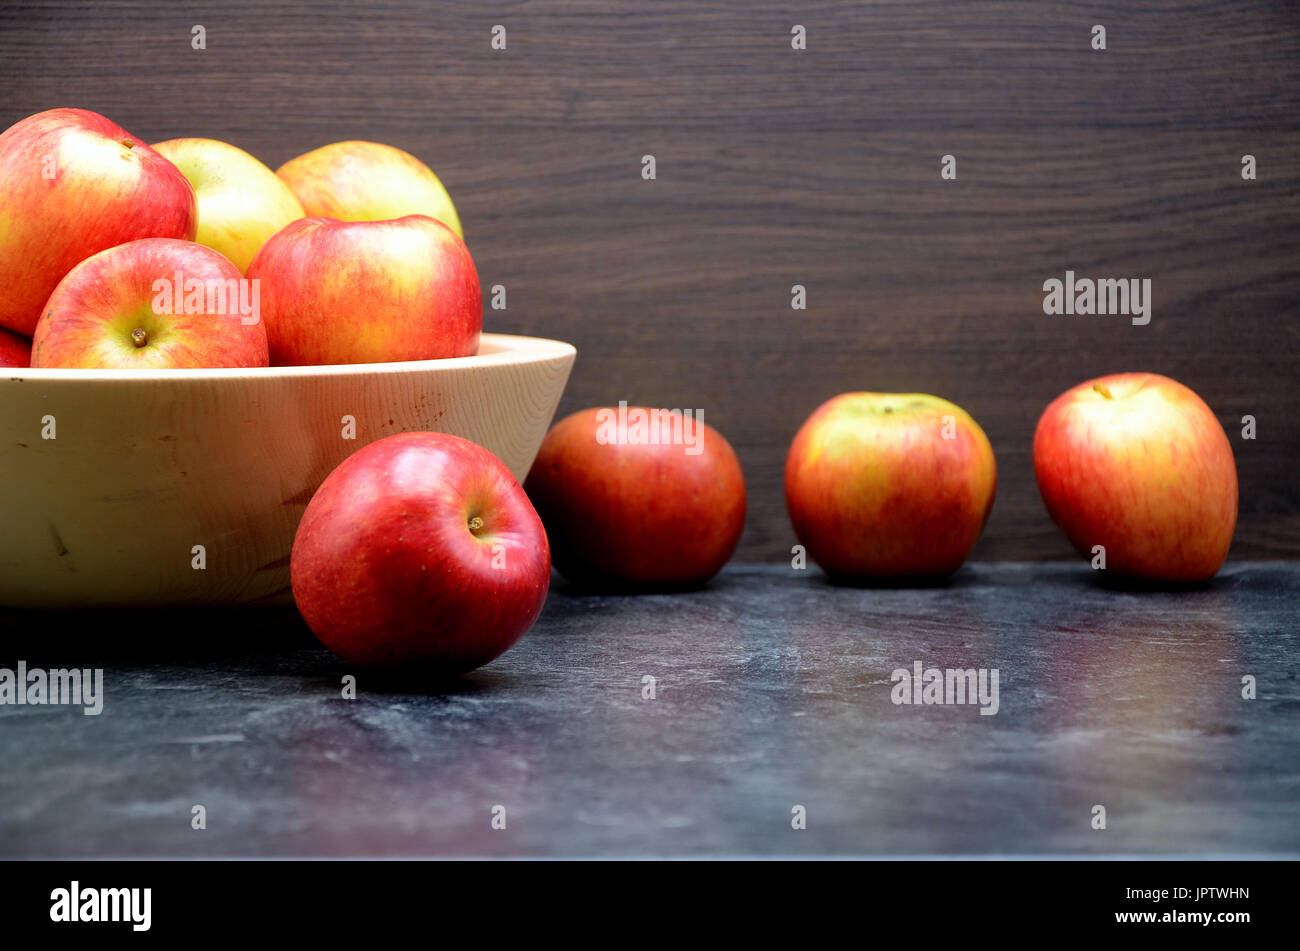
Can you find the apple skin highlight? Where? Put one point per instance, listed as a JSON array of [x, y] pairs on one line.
[[336, 292], [104, 313], [889, 485], [367, 181], [77, 183], [1138, 464], [420, 549], [241, 201], [625, 514]]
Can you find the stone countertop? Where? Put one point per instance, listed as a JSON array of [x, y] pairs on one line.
[[772, 690]]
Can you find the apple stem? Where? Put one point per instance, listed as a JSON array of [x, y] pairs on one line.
[[1101, 388], [139, 337]]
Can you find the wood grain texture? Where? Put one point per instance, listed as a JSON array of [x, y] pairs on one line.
[[141, 466], [778, 167]]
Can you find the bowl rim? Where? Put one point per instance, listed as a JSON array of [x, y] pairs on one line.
[[504, 349]]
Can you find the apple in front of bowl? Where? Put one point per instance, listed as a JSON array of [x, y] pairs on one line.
[[367, 181], [368, 292], [156, 303], [420, 550], [15, 350], [889, 485], [638, 497], [73, 183], [241, 201], [1138, 464]]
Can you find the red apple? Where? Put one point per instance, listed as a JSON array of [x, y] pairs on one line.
[[368, 292], [1138, 464], [889, 485], [152, 304], [15, 350], [367, 181], [638, 497], [420, 549], [73, 183]]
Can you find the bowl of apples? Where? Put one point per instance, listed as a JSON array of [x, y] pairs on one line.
[[193, 342]]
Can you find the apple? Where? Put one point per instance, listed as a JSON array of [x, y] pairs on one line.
[[368, 292], [367, 181], [241, 201], [73, 183], [883, 485], [15, 350], [1138, 464], [420, 549], [638, 497], [154, 303]]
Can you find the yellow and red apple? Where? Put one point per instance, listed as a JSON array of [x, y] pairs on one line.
[[367, 181], [156, 303], [368, 292], [889, 485], [73, 183], [241, 201], [1138, 464], [420, 549], [635, 497]]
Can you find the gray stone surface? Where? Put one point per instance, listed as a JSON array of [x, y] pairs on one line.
[[773, 689]]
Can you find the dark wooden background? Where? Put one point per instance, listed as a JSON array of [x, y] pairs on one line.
[[778, 167]]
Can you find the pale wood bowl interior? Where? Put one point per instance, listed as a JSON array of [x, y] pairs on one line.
[[145, 465]]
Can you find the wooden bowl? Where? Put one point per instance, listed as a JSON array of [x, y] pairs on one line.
[[110, 480]]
